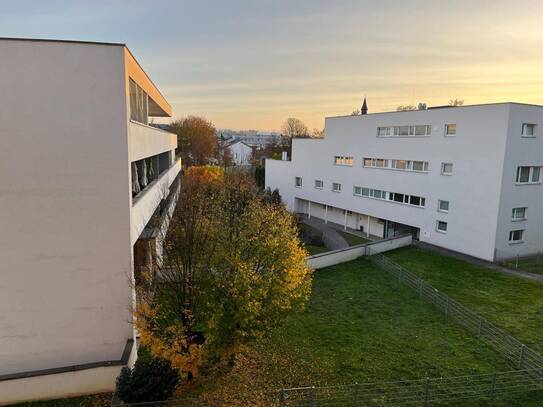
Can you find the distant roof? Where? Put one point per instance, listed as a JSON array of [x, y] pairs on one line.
[[238, 141], [438, 107]]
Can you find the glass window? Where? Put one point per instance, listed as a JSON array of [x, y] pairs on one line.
[[383, 131], [418, 166], [441, 226], [536, 172], [298, 182], [401, 164], [516, 235], [138, 103], [523, 174], [420, 130], [446, 168], [443, 206], [319, 183], [379, 162], [528, 129], [365, 192], [519, 213], [403, 131], [336, 187], [357, 190], [398, 197], [450, 129], [414, 200], [367, 162]]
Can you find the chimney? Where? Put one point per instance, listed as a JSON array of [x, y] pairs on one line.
[[364, 109]]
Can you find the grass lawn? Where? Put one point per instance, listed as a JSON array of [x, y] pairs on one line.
[[314, 249], [511, 303], [360, 326], [353, 240], [98, 400]]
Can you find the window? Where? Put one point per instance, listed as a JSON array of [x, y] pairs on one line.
[[528, 130], [405, 165], [341, 160], [443, 206], [319, 183], [441, 226], [516, 236], [528, 175], [404, 131], [357, 190], [450, 129], [446, 168], [389, 196], [519, 214], [138, 103], [298, 182], [336, 187]]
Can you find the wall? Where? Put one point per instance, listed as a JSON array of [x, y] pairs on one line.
[[521, 151], [477, 152], [64, 205], [327, 259]]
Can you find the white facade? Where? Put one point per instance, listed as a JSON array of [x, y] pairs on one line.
[[480, 188], [68, 216], [241, 152]]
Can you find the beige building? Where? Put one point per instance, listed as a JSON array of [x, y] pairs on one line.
[[87, 187]]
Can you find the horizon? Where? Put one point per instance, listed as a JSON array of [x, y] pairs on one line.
[[251, 66]]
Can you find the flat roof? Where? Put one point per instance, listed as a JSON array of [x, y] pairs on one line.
[[430, 108], [115, 44], [119, 44]]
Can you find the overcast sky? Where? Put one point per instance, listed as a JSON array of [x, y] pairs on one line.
[[252, 64]]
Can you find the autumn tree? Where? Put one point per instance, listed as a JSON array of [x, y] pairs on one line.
[[403, 108], [196, 141], [293, 128], [224, 154], [456, 102], [233, 267]]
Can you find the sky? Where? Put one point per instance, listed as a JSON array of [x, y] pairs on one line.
[[251, 64]]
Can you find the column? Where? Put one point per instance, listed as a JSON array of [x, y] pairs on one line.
[[345, 222], [325, 213], [309, 209], [368, 228]]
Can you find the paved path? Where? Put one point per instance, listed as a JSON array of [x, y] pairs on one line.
[[332, 239], [480, 262]]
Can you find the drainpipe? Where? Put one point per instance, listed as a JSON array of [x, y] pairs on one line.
[[325, 214], [309, 209]]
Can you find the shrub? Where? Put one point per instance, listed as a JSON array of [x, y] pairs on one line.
[[151, 379]]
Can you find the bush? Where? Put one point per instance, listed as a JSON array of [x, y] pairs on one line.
[[151, 379]]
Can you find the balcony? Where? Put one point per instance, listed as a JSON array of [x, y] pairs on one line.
[[147, 141], [145, 203]]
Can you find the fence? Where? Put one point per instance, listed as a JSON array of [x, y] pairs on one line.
[[519, 354], [423, 392], [527, 262]]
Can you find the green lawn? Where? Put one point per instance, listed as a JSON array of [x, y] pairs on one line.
[[97, 400], [511, 303], [353, 240], [361, 326], [314, 249]]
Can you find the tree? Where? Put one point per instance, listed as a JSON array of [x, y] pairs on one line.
[[233, 267], [224, 154], [403, 108], [317, 133], [456, 102], [293, 128], [355, 112], [196, 141]]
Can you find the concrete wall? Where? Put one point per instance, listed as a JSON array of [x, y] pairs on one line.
[[69, 384], [327, 259], [521, 151], [474, 190], [147, 141], [64, 207]]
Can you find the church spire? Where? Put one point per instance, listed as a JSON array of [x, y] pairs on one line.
[[364, 109]]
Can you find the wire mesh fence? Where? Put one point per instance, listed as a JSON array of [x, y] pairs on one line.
[[425, 392], [519, 354], [532, 263]]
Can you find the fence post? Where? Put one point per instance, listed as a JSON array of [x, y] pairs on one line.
[[480, 329], [521, 357], [312, 399], [426, 392], [282, 397], [493, 386], [355, 394]]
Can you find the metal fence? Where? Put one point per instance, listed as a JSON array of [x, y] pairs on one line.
[[423, 392], [528, 262], [519, 354]]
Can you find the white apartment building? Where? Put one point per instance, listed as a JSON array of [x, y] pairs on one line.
[[87, 187], [464, 178]]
